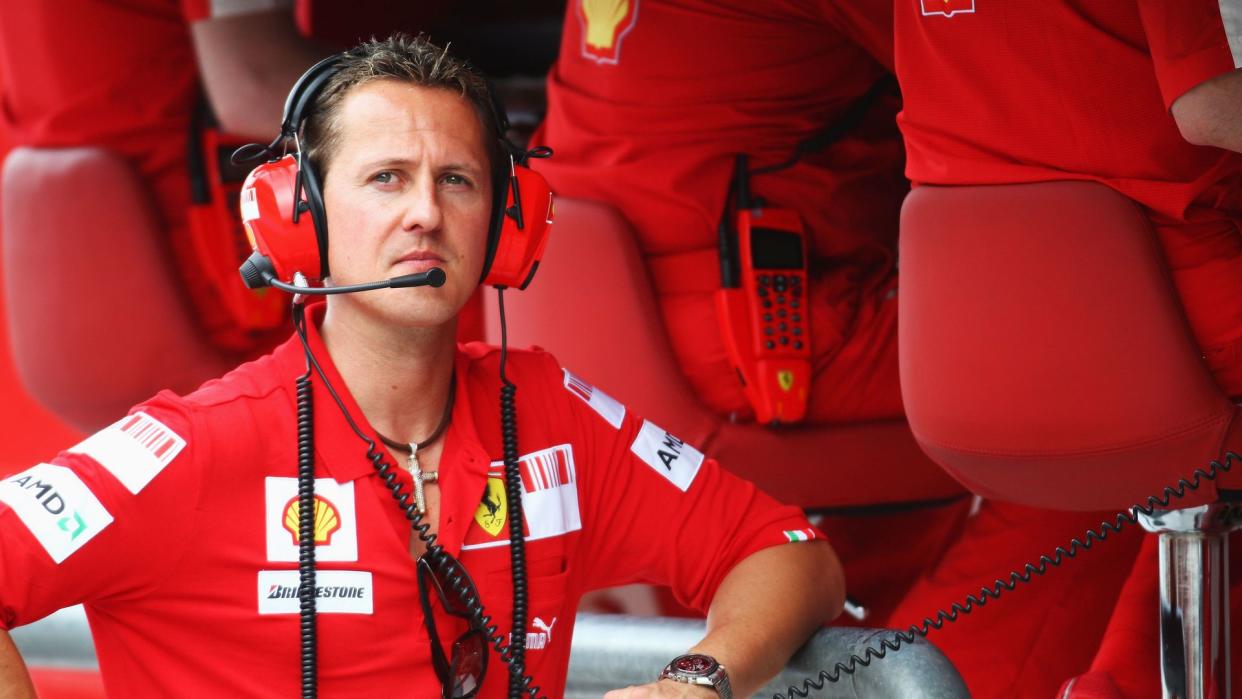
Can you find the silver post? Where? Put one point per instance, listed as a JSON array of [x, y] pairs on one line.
[[1194, 599]]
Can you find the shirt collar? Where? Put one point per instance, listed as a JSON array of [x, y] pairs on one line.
[[339, 446]]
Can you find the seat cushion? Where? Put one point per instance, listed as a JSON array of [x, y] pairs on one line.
[[1045, 358]]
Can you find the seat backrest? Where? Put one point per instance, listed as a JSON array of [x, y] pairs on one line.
[[1045, 358], [97, 317], [593, 306]]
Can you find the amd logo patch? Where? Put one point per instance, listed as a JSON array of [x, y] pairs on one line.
[[667, 455], [57, 507]]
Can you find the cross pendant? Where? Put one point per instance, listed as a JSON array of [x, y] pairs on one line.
[[420, 477]]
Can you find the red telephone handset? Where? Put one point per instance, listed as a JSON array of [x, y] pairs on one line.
[[220, 243], [764, 321]]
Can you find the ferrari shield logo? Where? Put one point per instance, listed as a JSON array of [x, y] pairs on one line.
[[494, 508], [604, 26], [948, 8], [785, 378]]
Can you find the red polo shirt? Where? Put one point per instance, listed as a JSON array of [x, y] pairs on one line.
[[1033, 91], [175, 527]]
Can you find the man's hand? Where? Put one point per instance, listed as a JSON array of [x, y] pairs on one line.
[[664, 689]]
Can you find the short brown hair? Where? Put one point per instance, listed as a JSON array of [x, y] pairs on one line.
[[411, 59]]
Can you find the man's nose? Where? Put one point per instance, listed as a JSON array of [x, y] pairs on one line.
[[422, 207]]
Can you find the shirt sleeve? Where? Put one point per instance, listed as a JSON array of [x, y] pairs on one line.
[[657, 510], [1191, 41], [104, 520], [195, 10]]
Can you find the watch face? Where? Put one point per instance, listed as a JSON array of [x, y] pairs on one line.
[[701, 665]]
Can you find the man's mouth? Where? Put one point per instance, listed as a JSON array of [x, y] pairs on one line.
[[418, 262]]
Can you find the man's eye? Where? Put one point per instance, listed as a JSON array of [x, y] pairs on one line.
[[454, 179], [383, 177]]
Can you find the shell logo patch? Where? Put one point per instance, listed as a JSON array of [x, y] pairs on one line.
[[494, 508], [336, 520], [785, 378], [327, 520], [948, 8], [604, 26]]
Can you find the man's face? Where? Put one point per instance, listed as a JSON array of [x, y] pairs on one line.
[[408, 188]]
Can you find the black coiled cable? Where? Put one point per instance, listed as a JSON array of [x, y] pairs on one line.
[[513, 491], [306, 531], [1028, 573], [450, 568]]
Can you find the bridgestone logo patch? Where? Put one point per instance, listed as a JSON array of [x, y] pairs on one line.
[[336, 592], [667, 455], [134, 449], [56, 506]]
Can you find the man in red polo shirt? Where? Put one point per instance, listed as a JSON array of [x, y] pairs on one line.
[[178, 525], [1144, 98]]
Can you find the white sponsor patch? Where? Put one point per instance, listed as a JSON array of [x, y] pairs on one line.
[[336, 592], [249, 204], [336, 521], [602, 403], [947, 8], [134, 449], [667, 455], [549, 495], [56, 506]]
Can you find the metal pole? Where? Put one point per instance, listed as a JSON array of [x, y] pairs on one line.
[[1194, 599]]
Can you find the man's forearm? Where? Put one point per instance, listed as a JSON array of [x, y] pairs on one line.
[[14, 679], [767, 606], [1207, 114]]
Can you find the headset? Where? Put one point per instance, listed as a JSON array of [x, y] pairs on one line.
[[286, 223]]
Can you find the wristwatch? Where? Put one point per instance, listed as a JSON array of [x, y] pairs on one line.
[[700, 669]]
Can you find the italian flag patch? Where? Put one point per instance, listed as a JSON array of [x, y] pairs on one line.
[[800, 534]]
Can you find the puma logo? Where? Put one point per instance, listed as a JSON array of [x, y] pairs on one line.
[[536, 640]]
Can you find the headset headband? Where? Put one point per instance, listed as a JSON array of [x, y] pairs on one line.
[[304, 92]]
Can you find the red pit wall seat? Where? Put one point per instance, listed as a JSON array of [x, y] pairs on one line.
[[97, 319], [592, 306], [1045, 360]]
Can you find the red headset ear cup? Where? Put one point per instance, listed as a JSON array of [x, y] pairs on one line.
[[518, 250], [267, 207]]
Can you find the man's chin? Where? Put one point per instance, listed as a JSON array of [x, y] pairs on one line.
[[399, 309]]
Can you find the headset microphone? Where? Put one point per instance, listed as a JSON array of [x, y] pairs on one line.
[[257, 272]]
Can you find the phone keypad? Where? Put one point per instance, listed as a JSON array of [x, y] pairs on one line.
[[783, 294]]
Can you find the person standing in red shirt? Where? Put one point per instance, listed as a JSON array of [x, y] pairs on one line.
[[1142, 97], [126, 78], [648, 104]]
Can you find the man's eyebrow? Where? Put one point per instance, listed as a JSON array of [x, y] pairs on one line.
[[403, 162]]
